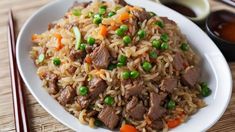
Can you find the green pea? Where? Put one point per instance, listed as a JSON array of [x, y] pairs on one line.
[[97, 19], [126, 40], [125, 75], [153, 54], [112, 66], [124, 27], [122, 59], [110, 14], [141, 33], [102, 10], [41, 58], [205, 90], [109, 100], [184, 47], [76, 12], [171, 105], [83, 90], [98, 123], [164, 37], [83, 47], [56, 61], [160, 24], [164, 46], [152, 14], [147, 66], [134, 74], [120, 64], [156, 44], [90, 40], [119, 32]]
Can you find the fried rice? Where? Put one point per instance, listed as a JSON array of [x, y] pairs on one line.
[[115, 64]]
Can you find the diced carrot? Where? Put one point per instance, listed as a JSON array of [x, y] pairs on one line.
[[103, 30], [34, 36], [59, 44], [173, 123], [124, 16], [128, 128], [113, 26], [88, 60]]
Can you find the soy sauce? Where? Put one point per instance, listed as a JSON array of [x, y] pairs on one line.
[[226, 31], [181, 9]]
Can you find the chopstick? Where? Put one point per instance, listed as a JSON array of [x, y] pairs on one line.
[[21, 122]]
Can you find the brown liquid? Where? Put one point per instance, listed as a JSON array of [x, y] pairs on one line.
[[181, 9], [226, 31]]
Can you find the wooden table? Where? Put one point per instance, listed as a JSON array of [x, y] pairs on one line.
[[39, 119]]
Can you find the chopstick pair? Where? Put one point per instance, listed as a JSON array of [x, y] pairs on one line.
[[21, 122]]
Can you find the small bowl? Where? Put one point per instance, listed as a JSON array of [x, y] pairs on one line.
[[200, 7], [213, 20]]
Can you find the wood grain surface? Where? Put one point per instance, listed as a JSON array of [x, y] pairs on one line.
[[40, 120]]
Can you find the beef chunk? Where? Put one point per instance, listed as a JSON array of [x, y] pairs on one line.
[[52, 83], [191, 76], [83, 101], [141, 14], [88, 49], [108, 117], [157, 124], [167, 21], [155, 110], [97, 86], [66, 95], [168, 84], [75, 54], [135, 110], [121, 2], [50, 26], [100, 57], [92, 113], [178, 62], [71, 69], [133, 90]]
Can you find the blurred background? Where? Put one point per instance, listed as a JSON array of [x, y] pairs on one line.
[[215, 17]]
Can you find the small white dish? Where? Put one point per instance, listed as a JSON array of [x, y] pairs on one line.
[[215, 69]]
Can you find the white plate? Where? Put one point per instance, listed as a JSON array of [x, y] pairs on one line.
[[215, 69]]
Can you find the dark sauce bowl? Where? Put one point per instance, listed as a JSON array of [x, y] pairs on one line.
[[214, 20]]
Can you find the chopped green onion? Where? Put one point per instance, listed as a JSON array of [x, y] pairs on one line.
[[76, 12], [78, 37], [90, 14], [98, 123], [110, 14], [41, 58], [152, 14], [171, 105], [205, 90]]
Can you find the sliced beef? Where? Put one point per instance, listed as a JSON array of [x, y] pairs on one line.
[[88, 49], [121, 2], [66, 95], [52, 83], [191, 76], [157, 124], [108, 117], [135, 110], [50, 26], [72, 69], [168, 84], [155, 110], [100, 57], [141, 14], [75, 54], [167, 21], [83, 101], [92, 113], [178, 62], [96, 86], [133, 90]]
